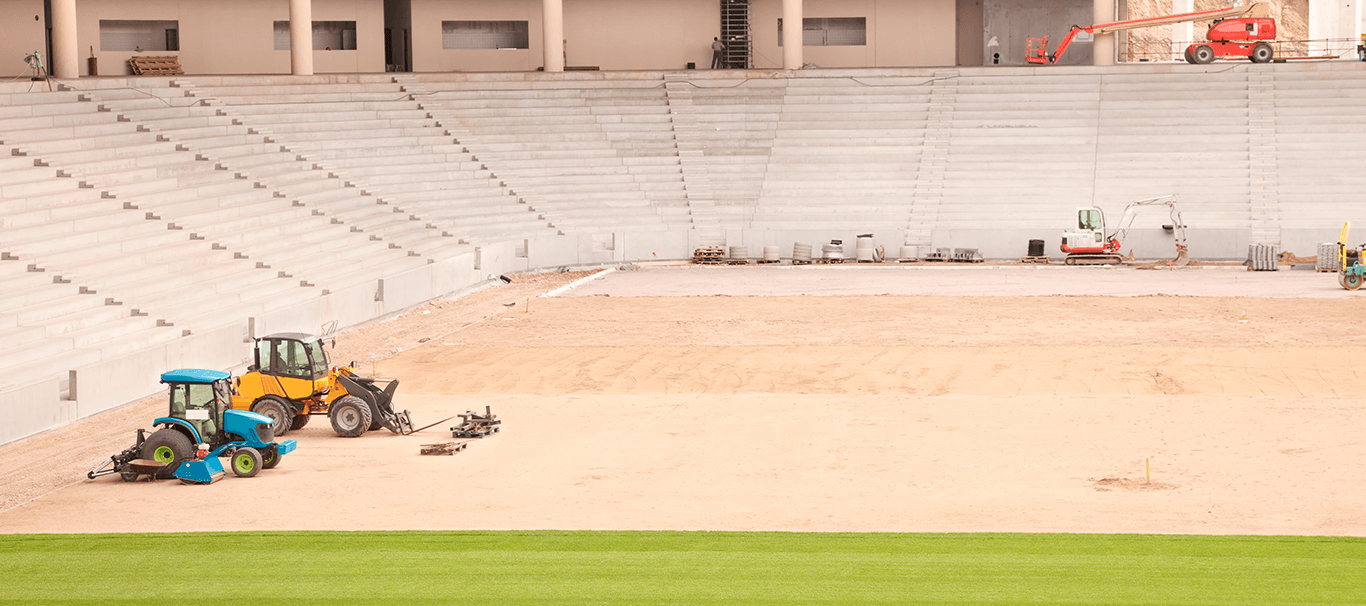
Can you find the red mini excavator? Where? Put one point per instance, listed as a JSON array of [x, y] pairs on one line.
[[1238, 31]]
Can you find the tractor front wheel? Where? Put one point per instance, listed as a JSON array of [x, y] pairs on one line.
[[270, 457], [170, 447], [1261, 53], [246, 462], [1203, 54], [281, 417], [350, 417]]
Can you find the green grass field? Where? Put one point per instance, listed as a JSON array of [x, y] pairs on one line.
[[677, 568]]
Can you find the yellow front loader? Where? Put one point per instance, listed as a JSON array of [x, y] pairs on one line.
[[291, 379]]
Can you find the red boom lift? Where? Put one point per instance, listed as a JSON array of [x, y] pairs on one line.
[[1238, 31]]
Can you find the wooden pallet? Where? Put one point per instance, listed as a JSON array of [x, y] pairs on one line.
[[1029, 259], [908, 260], [834, 261], [768, 262], [445, 448], [475, 425], [801, 262], [737, 261], [709, 256], [155, 66]]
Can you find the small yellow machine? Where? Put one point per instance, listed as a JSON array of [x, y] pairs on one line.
[[291, 380]]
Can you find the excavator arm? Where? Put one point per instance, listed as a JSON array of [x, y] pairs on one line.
[[1178, 227]]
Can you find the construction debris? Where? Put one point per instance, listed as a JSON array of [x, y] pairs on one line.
[[475, 425]]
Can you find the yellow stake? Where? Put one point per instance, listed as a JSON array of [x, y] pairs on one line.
[[1148, 470]]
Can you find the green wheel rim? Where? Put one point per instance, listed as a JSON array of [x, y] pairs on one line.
[[243, 463], [163, 454], [267, 457]]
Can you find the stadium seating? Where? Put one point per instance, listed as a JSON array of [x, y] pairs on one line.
[[140, 214]]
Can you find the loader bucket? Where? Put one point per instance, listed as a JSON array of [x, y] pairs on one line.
[[1181, 259], [381, 401]]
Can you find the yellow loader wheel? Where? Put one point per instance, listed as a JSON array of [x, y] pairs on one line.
[[350, 417], [281, 414]]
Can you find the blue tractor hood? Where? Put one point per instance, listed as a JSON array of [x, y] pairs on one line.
[[193, 375]]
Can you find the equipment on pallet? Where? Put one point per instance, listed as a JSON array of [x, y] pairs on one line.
[[709, 255], [291, 379], [1089, 244], [1351, 273], [475, 425], [199, 428], [1238, 31]]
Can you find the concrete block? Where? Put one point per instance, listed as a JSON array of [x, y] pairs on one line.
[[32, 408]]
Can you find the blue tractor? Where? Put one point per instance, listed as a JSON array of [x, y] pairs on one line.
[[199, 428]]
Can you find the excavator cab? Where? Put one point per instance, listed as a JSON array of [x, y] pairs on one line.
[[1090, 234]]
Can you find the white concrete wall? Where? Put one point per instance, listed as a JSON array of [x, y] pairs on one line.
[[1335, 27], [901, 33], [1013, 24], [234, 37], [21, 33]]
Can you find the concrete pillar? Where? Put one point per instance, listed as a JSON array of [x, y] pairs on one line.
[[552, 25], [67, 62], [792, 34], [1336, 25], [1103, 48], [301, 37], [1183, 34]]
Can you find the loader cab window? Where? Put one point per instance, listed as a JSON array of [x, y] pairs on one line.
[[201, 404], [289, 358], [1090, 219]]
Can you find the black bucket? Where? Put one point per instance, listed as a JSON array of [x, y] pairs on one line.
[[1036, 248]]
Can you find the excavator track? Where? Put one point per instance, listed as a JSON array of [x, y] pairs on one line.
[[1093, 259]]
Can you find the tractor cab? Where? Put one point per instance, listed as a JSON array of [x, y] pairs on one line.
[[199, 398], [290, 364]]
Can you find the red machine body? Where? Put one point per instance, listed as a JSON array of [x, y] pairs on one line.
[[1240, 37], [1237, 32]]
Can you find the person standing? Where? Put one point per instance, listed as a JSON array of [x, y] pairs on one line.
[[718, 48]]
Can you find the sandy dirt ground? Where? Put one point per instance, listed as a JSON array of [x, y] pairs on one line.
[[844, 412]]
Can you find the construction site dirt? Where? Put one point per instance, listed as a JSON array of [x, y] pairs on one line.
[[841, 398]]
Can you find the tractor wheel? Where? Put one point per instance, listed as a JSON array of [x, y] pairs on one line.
[[298, 422], [1261, 53], [246, 462], [270, 457], [281, 417], [350, 417], [170, 447], [1203, 54], [128, 476], [1351, 281]]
